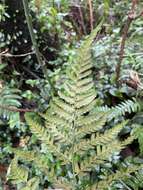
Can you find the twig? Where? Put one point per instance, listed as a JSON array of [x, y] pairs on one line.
[[14, 109], [91, 14], [20, 55], [30, 72], [82, 20], [32, 35], [121, 54], [131, 17], [134, 54]]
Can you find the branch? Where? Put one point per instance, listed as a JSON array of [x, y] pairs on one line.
[[14, 109], [134, 54], [30, 72], [32, 35], [122, 47], [82, 20], [91, 14], [131, 17], [20, 55]]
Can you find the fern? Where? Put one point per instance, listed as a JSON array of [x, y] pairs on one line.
[[135, 181], [9, 98], [123, 176], [19, 174], [138, 132], [74, 132], [128, 106], [32, 184], [9, 101]]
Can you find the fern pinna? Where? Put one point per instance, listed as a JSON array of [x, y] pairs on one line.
[[73, 132]]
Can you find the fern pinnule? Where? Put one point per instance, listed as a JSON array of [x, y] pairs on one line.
[[97, 125], [66, 107], [65, 97]]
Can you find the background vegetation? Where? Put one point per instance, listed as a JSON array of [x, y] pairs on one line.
[[39, 40]]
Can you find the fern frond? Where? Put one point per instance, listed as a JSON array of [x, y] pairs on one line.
[[46, 138], [73, 129], [128, 106], [66, 107], [65, 97], [89, 100], [138, 132], [60, 134], [84, 81], [83, 96], [105, 109], [62, 184], [122, 174], [86, 109], [10, 100], [69, 90], [99, 139], [60, 112], [87, 120], [103, 153], [54, 119], [40, 160], [85, 89], [32, 184], [18, 174], [92, 128], [135, 181], [109, 135], [25, 155], [85, 74]]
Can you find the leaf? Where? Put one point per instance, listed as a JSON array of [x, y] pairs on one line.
[[32, 184], [17, 174]]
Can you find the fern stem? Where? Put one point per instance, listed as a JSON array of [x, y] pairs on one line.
[[73, 170], [73, 167], [121, 181], [124, 184], [73, 161], [32, 35]]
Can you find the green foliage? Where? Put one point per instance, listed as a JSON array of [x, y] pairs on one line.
[[3, 13], [138, 132], [20, 175], [10, 100], [32, 184], [128, 106], [136, 181], [124, 174], [74, 133], [76, 144]]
